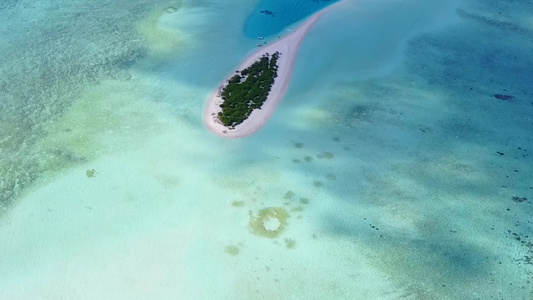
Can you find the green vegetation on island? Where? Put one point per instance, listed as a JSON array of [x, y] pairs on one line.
[[248, 90]]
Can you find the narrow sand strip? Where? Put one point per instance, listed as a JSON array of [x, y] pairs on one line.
[[288, 46]]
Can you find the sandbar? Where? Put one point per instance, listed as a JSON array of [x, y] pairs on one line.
[[288, 46]]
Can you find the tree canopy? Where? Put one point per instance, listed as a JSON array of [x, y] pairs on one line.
[[248, 90]]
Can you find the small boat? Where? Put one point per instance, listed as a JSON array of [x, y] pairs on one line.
[[259, 37], [259, 45]]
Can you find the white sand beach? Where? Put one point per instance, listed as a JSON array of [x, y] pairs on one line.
[[288, 46]]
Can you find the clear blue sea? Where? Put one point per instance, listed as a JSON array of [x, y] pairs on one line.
[[398, 166]]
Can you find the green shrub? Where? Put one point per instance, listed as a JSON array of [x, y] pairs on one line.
[[242, 97]]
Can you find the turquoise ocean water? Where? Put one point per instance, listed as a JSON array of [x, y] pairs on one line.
[[397, 167]]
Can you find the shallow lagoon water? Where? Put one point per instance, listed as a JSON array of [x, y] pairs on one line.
[[388, 172]]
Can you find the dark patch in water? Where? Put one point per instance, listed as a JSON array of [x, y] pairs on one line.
[[90, 173], [267, 12], [331, 177], [325, 155], [288, 195], [503, 97], [519, 199]]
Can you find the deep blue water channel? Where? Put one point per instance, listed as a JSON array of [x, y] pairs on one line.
[[270, 17]]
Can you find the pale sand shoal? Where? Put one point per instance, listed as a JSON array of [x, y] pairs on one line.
[[288, 46]]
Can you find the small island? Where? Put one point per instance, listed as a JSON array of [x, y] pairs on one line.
[[248, 97], [247, 90]]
